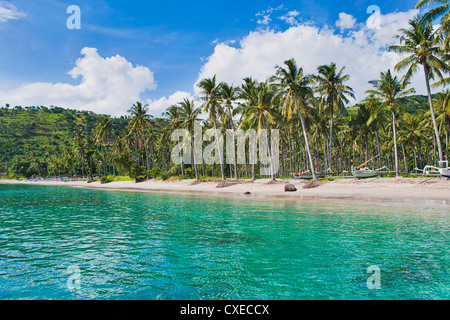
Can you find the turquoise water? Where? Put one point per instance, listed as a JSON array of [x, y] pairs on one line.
[[130, 245]]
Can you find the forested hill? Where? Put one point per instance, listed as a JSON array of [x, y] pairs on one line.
[[38, 131]]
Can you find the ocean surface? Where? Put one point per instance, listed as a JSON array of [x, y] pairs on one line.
[[69, 243]]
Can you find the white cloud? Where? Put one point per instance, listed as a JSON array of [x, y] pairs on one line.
[[266, 14], [346, 21], [158, 106], [8, 11], [108, 86], [362, 51], [290, 18]]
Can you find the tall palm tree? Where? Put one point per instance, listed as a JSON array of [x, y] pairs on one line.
[[420, 43], [189, 115], [103, 130], [296, 93], [334, 94], [260, 113], [443, 106], [229, 95], [210, 91], [140, 120], [391, 91]]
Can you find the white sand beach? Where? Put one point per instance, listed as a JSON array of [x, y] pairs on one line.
[[421, 191]]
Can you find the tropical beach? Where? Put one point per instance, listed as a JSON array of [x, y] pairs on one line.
[[249, 152], [387, 191]]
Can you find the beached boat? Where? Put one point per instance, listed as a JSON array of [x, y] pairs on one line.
[[309, 176], [445, 172], [364, 173]]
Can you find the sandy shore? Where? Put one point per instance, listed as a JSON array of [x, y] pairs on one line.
[[420, 191]]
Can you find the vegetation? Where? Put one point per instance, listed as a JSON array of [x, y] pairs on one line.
[[319, 129]]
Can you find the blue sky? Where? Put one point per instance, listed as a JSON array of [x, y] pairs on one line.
[[173, 39]]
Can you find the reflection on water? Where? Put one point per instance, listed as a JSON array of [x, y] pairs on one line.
[[152, 246]]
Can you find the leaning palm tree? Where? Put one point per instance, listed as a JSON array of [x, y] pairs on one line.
[[420, 43], [189, 115], [333, 94], [210, 91], [296, 93], [391, 91]]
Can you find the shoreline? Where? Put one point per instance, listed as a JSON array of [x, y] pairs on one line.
[[382, 191]]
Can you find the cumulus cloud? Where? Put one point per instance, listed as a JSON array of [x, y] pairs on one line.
[[158, 106], [8, 11], [346, 21], [362, 51], [108, 86]]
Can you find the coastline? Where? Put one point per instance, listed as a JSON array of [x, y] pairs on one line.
[[389, 191]]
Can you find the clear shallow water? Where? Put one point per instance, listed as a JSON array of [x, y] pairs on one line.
[[131, 245]]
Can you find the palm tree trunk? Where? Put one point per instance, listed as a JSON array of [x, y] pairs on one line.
[[404, 160], [308, 152], [222, 171], [330, 151], [433, 117], [397, 172]]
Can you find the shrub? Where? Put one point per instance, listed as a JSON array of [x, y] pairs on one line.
[[105, 180], [155, 172], [137, 173], [165, 175]]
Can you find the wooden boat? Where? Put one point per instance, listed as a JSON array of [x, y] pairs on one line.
[[364, 173], [309, 176], [445, 172]]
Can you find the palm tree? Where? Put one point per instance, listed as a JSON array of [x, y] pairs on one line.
[[140, 120], [103, 130], [296, 93], [211, 97], [333, 93], [421, 44], [189, 115], [391, 91], [173, 115], [443, 105], [260, 113], [229, 95], [442, 10]]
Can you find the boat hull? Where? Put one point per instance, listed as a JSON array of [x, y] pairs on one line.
[[365, 175], [445, 173], [309, 176]]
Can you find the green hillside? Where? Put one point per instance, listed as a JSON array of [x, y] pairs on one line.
[[41, 130]]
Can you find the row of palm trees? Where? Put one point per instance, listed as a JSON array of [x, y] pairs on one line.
[[308, 109]]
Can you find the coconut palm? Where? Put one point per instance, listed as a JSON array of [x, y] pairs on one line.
[[391, 91], [229, 95], [419, 42], [189, 115], [296, 93], [334, 95], [260, 113], [140, 120], [210, 91]]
